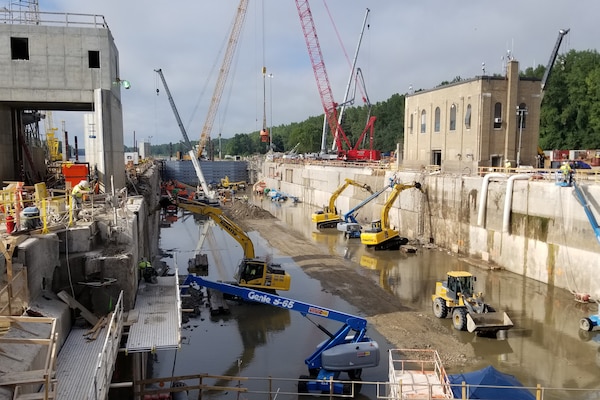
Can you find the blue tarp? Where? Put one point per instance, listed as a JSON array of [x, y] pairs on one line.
[[489, 376]]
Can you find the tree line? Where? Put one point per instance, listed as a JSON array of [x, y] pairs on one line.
[[570, 116]]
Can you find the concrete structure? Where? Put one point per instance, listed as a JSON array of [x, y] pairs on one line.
[[531, 227], [480, 122], [60, 62]]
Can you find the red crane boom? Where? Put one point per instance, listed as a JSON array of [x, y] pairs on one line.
[[316, 59]]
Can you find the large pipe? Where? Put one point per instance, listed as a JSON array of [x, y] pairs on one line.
[[508, 199], [483, 195]]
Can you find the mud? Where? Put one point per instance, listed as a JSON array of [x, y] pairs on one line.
[[400, 325]]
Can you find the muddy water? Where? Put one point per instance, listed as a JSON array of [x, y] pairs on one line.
[[545, 347]]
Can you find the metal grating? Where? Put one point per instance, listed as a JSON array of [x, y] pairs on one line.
[[77, 364], [158, 324]]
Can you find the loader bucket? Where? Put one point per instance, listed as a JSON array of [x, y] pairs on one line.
[[488, 322]]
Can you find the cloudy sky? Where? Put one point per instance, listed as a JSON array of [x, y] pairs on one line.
[[416, 44]]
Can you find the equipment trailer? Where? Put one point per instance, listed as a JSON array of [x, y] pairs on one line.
[[347, 350]]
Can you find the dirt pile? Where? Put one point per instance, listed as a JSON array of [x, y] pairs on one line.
[[240, 210]]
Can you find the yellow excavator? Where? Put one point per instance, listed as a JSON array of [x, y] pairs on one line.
[[252, 272], [329, 217], [227, 184], [381, 236]]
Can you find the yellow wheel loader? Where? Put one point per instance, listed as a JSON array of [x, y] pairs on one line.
[[456, 298]]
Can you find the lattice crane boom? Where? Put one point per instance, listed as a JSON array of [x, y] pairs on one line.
[[223, 73], [316, 59]]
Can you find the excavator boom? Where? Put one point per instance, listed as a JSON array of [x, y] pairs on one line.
[[252, 272], [329, 218], [381, 236]]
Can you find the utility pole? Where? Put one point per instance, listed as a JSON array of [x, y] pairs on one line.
[[521, 113]]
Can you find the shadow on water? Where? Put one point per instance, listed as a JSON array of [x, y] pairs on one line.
[[545, 347]]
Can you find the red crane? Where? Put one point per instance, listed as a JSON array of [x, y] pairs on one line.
[[351, 153]]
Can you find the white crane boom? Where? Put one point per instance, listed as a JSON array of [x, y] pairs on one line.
[[223, 73]]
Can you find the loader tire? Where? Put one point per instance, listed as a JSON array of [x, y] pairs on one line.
[[440, 309], [459, 319], [586, 324]]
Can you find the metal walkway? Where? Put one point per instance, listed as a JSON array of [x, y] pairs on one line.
[[156, 319]]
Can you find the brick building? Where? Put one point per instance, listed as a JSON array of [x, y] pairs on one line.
[[480, 122]]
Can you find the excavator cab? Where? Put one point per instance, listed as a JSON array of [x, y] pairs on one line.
[[260, 275], [375, 226]]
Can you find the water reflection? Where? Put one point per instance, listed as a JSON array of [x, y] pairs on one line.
[[545, 347]]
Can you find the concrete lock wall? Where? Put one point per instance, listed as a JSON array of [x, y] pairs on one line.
[[546, 234]]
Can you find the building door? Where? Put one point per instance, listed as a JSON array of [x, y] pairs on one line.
[[436, 157]]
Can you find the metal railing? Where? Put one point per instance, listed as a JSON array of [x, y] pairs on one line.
[[269, 388], [28, 17], [107, 356]]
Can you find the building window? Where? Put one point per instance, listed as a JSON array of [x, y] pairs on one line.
[[498, 115], [93, 59], [19, 48], [410, 123], [436, 126], [468, 117], [423, 121], [452, 117], [436, 157], [522, 116]]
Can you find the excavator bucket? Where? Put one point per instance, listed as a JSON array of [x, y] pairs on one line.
[[488, 322]]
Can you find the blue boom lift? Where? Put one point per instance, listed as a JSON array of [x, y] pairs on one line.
[[347, 350], [350, 225]]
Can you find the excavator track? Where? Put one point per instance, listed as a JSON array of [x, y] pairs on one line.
[[391, 244], [328, 224]]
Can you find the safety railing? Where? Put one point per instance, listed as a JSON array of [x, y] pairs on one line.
[[260, 388], [108, 355], [22, 16]]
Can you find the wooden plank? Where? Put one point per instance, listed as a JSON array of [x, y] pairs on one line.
[[217, 303], [24, 377], [85, 313]]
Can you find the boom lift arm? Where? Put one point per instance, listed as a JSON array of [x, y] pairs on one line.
[[381, 236], [252, 272], [328, 218], [588, 211], [347, 350], [223, 73], [350, 225]]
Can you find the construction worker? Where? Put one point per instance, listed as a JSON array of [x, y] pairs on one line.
[[147, 271], [507, 165], [78, 191], [567, 172]]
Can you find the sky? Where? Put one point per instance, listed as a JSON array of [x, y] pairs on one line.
[[406, 45]]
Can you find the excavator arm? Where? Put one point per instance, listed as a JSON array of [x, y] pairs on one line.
[[397, 189], [331, 207], [252, 272], [221, 219], [328, 217], [381, 236]]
